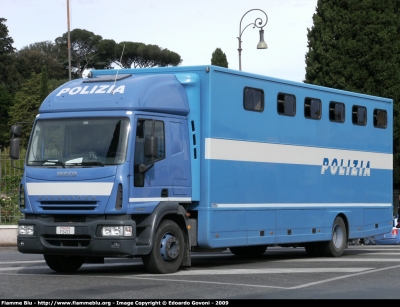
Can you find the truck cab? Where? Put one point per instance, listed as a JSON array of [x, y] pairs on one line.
[[108, 160]]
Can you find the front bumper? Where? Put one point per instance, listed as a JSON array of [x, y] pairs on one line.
[[87, 239]]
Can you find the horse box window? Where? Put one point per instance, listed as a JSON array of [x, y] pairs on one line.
[[380, 118], [253, 99], [359, 115], [336, 112], [312, 108], [286, 104]]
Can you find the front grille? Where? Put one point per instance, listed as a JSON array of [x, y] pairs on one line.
[[71, 205], [68, 241], [69, 219]]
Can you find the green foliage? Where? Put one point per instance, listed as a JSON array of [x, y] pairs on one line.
[[26, 106], [139, 55], [5, 104], [6, 59], [9, 209], [55, 83], [219, 58], [31, 59], [84, 49], [10, 179], [355, 45], [12, 77], [44, 86], [5, 40], [89, 50], [10, 183], [106, 53], [27, 102], [11, 171]]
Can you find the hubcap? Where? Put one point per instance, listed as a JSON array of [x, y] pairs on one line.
[[337, 236], [169, 247]]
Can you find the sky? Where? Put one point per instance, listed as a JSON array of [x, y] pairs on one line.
[[191, 28]]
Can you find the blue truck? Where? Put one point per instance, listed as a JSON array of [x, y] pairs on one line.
[[161, 162]]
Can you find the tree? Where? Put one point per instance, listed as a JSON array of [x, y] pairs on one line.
[[9, 80], [6, 50], [84, 49], [44, 86], [12, 79], [128, 53], [219, 58], [5, 104], [139, 55], [32, 58], [5, 40], [355, 45], [26, 105], [89, 50], [28, 99], [105, 53]]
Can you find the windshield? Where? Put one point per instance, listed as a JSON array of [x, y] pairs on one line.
[[78, 142]]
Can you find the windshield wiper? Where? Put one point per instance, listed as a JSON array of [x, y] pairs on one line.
[[48, 161]]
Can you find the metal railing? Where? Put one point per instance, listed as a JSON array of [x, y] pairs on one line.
[[10, 178]]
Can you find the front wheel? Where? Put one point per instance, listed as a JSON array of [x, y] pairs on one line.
[[336, 246], [64, 264], [168, 249]]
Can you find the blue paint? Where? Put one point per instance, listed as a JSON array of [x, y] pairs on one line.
[[225, 165]]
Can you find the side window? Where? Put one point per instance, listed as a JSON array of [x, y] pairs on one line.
[[160, 135], [286, 104], [312, 108], [253, 99], [380, 118], [359, 115], [147, 128], [336, 112]]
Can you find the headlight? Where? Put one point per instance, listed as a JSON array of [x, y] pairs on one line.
[[113, 231], [25, 230]]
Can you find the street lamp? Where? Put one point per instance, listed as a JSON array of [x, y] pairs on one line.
[[69, 44], [261, 44]]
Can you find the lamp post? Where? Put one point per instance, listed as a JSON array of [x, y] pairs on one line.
[[69, 44], [258, 22]]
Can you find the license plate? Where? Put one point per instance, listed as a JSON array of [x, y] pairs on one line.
[[65, 230]]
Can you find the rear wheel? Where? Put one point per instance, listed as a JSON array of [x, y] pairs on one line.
[[168, 249], [64, 264], [336, 246], [249, 251]]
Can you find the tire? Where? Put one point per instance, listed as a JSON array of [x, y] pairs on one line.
[[249, 251], [168, 249], [64, 264], [312, 249], [336, 246]]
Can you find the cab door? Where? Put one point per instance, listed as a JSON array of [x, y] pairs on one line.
[[161, 162]]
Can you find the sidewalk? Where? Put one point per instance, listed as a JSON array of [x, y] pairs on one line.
[[8, 235]]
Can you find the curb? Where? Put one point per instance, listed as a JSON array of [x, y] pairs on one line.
[[8, 235]]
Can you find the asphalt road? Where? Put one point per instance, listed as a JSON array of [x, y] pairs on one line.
[[363, 272]]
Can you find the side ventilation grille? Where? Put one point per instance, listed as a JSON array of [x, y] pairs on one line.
[[118, 201], [194, 141]]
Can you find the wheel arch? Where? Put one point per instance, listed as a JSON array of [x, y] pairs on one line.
[[173, 211]]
